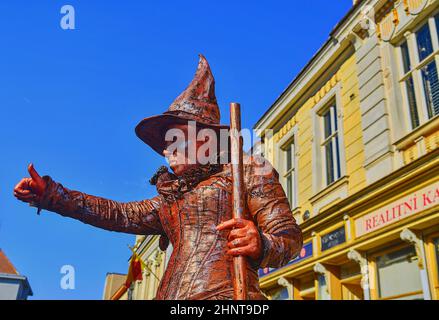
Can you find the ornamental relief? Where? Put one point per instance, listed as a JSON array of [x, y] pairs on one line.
[[389, 17], [414, 7]]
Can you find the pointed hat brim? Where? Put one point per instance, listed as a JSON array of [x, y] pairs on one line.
[[196, 103], [152, 130]]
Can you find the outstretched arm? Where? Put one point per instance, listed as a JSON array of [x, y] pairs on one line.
[[133, 217]]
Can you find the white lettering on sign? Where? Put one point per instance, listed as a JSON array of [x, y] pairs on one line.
[[398, 210]]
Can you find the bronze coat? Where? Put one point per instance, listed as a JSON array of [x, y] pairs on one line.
[[198, 267]]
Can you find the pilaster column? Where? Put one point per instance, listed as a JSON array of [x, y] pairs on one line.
[[315, 247], [410, 237], [150, 285], [356, 256], [348, 229], [321, 270], [284, 282]]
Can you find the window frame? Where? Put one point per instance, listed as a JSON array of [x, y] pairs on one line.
[[332, 139], [415, 72], [288, 140], [319, 178], [290, 187], [271, 292], [433, 263], [374, 277]]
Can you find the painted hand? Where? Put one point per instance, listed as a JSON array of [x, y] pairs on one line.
[[30, 189], [244, 238]]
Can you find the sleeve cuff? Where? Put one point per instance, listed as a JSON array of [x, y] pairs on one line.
[[265, 243]]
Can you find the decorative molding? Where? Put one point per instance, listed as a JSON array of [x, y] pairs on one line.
[[336, 185], [387, 26], [410, 237], [283, 282], [320, 269], [324, 90], [285, 129], [424, 130], [359, 258], [157, 258], [148, 266], [414, 7]]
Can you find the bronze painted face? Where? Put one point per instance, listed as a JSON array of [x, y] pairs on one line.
[[183, 153]]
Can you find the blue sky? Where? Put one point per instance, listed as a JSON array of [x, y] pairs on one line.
[[70, 99]]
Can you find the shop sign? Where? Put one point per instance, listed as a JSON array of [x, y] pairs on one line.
[[333, 238], [305, 253], [397, 210]]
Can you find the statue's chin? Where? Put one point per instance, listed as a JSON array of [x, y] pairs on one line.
[[180, 169]]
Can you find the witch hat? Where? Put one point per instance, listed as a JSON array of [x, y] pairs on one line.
[[196, 103]]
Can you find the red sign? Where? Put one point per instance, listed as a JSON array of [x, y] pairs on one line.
[[402, 208]]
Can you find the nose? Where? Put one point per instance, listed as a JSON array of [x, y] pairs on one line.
[[166, 153]]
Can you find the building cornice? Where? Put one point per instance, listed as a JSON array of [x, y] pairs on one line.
[[424, 166], [334, 46]]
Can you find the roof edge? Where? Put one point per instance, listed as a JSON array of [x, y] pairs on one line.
[[313, 59]]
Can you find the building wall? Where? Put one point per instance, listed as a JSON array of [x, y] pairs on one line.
[[155, 262], [113, 282], [9, 289], [344, 83], [372, 232], [14, 287]]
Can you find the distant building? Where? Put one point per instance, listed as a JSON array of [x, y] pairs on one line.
[[113, 282], [147, 247], [13, 286]]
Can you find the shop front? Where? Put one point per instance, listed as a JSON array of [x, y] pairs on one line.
[[381, 245]]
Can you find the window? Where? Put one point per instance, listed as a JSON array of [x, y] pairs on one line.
[[322, 288], [420, 81], [410, 87], [330, 145], [398, 275], [279, 294], [437, 25], [290, 173], [328, 154]]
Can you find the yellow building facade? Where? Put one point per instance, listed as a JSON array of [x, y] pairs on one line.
[[155, 263], [355, 140]]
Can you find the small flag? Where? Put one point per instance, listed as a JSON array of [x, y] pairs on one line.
[[135, 270]]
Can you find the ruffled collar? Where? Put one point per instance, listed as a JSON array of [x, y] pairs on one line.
[[172, 187]]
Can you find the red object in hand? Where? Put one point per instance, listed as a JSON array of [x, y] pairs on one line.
[[244, 239], [30, 189]]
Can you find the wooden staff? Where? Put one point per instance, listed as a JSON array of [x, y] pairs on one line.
[[239, 262]]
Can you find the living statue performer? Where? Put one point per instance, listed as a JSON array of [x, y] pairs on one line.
[[193, 208]]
